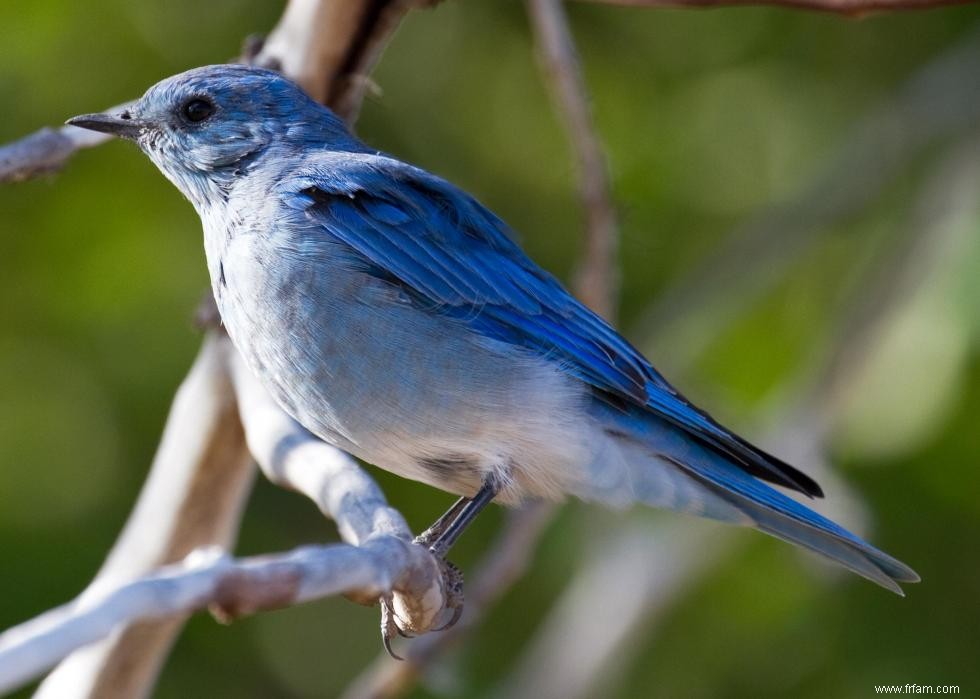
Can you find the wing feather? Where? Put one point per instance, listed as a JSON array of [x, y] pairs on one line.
[[451, 255]]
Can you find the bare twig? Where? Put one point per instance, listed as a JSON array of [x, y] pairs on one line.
[[207, 579], [46, 151], [598, 279], [848, 8]]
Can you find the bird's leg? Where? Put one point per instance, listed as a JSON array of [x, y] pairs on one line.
[[457, 519], [439, 538], [432, 534], [451, 525]]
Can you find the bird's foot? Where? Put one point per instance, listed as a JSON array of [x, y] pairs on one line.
[[439, 538], [452, 581]]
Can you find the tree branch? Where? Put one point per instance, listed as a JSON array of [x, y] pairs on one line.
[[848, 8], [207, 579], [598, 279], [46, 151]]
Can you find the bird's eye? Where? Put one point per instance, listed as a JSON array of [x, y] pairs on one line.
[[197, 109]]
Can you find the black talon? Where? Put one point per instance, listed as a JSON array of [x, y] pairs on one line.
[[387, 623], [457, 615], [387, 644]]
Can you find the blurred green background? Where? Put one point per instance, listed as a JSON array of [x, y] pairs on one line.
[[709, 117]]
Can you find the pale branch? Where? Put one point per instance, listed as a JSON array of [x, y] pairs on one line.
[[598, 278], [207, 579], [46, 151], [849, 8]]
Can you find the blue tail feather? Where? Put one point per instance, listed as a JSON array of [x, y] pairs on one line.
[[779, 516], [766, 508]]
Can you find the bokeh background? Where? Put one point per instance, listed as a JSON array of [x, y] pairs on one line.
[[712, 120]]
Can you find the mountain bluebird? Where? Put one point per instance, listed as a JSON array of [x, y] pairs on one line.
[[395, 317]]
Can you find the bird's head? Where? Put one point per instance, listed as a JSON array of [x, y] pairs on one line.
[[205, 127]]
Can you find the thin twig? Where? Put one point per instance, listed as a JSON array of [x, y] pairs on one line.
[[46, 151], [598, 277], [848, 8]]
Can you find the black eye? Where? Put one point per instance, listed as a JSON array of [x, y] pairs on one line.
[[197, 109]]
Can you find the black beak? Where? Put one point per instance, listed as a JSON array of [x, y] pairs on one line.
[[122, 125]]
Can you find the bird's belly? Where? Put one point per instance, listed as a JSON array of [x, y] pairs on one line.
[[412, 392]]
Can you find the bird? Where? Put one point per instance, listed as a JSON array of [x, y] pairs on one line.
[[395, 317]]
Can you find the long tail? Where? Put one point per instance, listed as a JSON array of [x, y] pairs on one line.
[[666, 468]]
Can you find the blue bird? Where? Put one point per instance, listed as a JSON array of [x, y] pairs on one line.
[[395, 317]]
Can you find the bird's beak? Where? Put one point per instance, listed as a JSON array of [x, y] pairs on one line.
[[122, 125]]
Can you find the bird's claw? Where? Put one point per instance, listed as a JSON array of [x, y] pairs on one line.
[[452, 578], [389, 627]]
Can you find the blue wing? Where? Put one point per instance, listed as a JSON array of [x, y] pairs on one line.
[[453, 256]]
